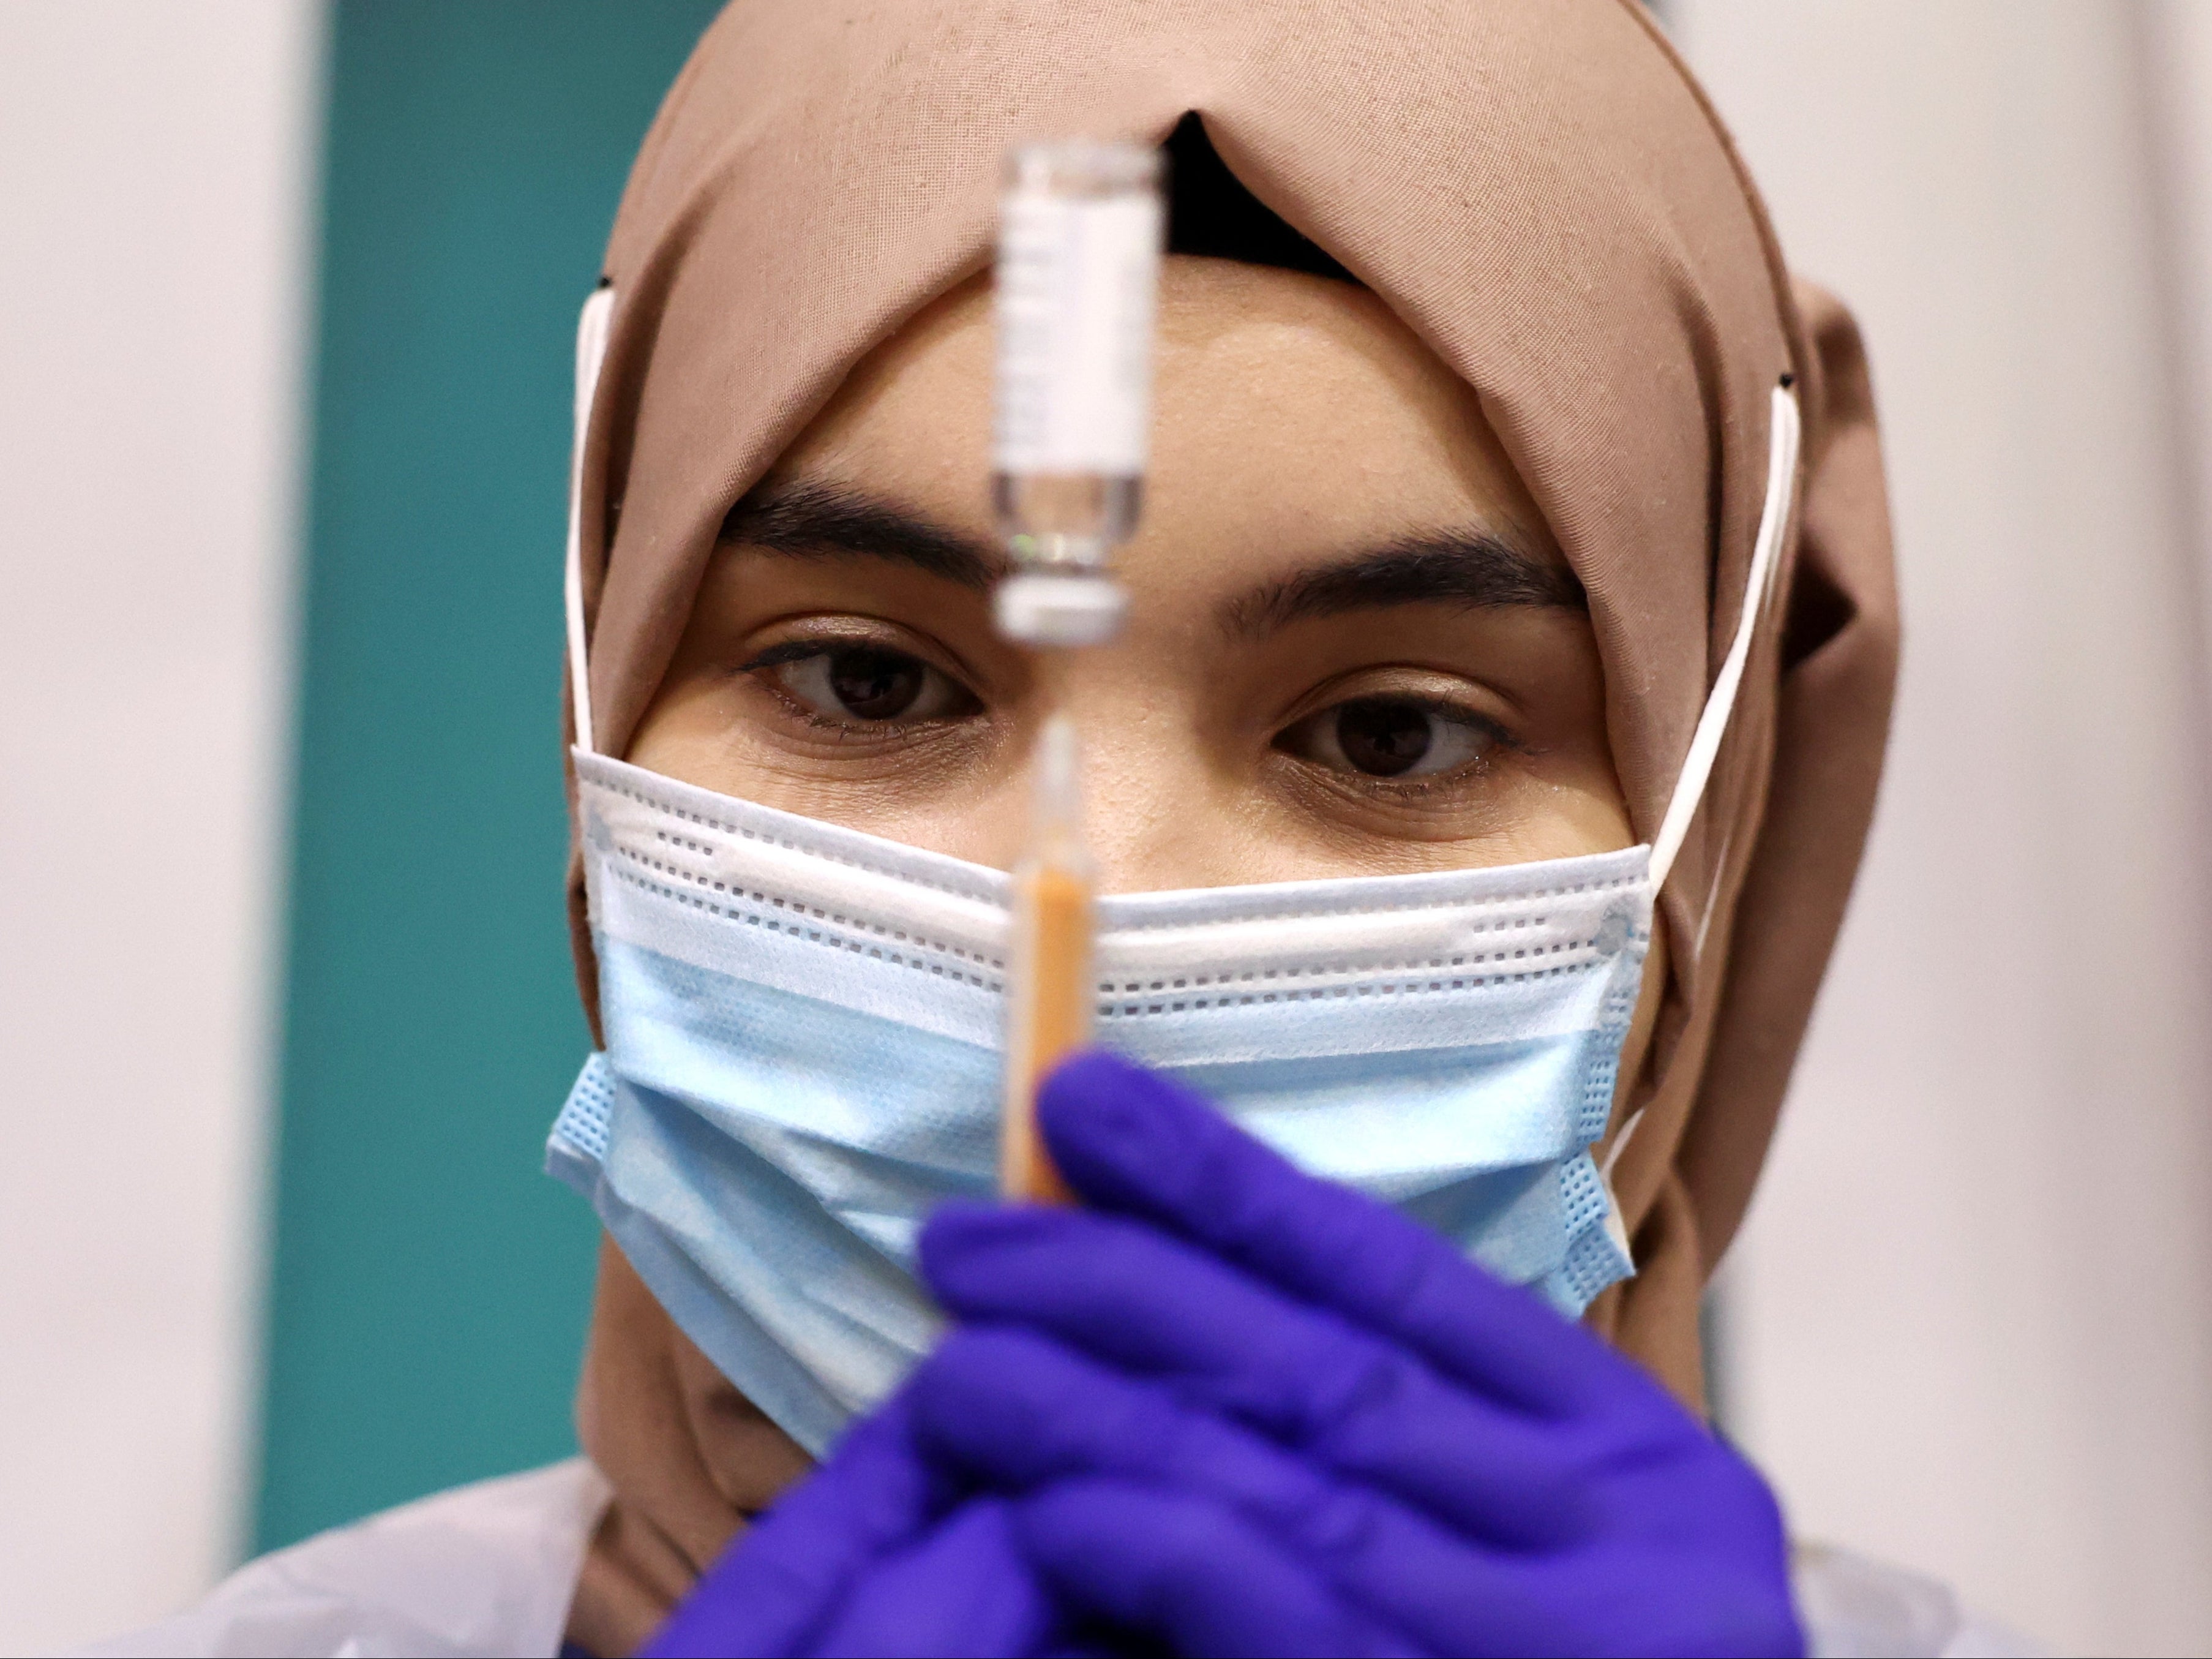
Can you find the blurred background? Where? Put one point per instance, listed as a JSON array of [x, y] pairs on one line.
[[291, 291]]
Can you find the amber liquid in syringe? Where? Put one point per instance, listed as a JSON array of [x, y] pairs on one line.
[[1051, 984]]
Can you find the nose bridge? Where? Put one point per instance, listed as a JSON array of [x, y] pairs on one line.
[[1149, 816]]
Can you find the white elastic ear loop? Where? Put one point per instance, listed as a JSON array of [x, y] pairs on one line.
[[591, 351], [1784, 432]]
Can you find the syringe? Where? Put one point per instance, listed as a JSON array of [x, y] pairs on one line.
[[1078, 284]]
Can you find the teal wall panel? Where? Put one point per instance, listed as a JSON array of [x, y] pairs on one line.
[[430, 1287]]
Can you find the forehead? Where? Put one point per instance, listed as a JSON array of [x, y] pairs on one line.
[[1290, 410]]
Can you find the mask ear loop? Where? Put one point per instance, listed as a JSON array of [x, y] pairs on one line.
[[1784, 433], [591, 351]]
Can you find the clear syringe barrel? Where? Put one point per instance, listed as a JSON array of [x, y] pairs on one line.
[[1051, 989], [1077, 281]]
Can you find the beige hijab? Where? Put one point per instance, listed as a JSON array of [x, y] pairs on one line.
[[1543, 194]]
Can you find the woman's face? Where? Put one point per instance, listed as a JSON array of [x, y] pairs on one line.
[[1353, 647]]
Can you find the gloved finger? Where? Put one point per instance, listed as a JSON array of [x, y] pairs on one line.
[[1702, 1571], [1201, 1575], [1017, 1410], [1131, 1141], [781, 1578], [1145, 1302], [963, 1589], [1188, 1571]]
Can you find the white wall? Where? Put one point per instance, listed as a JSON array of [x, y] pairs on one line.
[[2176, 36], [1971, 1320], [154, 160]]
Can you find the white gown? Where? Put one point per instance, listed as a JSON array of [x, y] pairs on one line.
[[489, 1570]]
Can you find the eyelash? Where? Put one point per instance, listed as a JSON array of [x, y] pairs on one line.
[[803, 650], [1374, 788], [806, 650], [1414, 789]]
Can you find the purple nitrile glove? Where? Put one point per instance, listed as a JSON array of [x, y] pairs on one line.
[[875, 1552], [1244, 1411]]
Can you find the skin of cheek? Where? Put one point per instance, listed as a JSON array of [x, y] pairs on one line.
[[1294, 417]]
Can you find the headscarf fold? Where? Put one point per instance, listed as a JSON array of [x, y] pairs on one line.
[[1542, 194]]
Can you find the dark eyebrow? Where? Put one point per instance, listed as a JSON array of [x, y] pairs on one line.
[[810, 519], [1470, 567], [816, 519]]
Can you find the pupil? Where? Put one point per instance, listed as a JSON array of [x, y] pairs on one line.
[[875, 685], [1382, 738]]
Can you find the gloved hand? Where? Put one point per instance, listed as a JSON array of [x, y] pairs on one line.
[[872, 1553], [1243, 1411], [1240, 1411]]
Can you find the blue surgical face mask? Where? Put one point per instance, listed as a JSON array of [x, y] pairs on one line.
[[803, 1029]]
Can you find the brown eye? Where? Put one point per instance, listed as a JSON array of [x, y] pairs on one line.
[[875, 685], [1383, 739], [1390, 737], [868, 683]]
